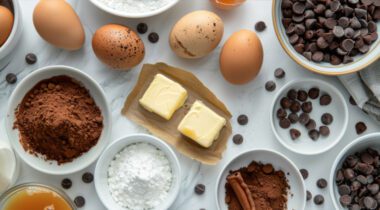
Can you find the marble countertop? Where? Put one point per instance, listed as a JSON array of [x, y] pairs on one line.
[[250, 99]]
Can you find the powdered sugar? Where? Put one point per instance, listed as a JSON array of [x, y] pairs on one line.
[[136, 6], [139, 177]]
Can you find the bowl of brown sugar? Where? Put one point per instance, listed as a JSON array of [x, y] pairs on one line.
[[58, 120]]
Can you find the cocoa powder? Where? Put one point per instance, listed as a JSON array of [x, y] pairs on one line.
[[58, 120], [268, 188]]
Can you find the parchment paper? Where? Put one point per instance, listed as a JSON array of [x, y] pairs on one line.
[[167, 129]]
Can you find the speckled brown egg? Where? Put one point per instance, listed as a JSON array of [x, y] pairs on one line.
[[196, 34], [118, 46]]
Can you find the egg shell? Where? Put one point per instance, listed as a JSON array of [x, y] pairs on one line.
[[57, 23], [241, 57], [196, 34], [6, 24], [118, 46]]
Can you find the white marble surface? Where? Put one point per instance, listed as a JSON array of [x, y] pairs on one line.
[[250, 99]]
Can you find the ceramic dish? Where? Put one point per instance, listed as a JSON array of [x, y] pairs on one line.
[[38, 163], [119, 13], [101, 170], [363, 142], [359, 62], [4, 198], [304, 144], [279, 162], [13, 39]]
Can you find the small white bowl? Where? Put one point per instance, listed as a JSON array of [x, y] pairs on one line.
[[38, 163], [359, 63], [359, 144], [7, 48], [304, 144], [297, 191], [101, 170], [119, 13]]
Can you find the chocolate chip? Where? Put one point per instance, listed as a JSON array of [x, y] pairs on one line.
[[317, 56], [322, 183], [327, 118], [370, 203], [270, 86], [311, 125], [348, 45], [349, 174], [79, 201], [304, 118], [142, 28], [298, 8], [260, 26], [294, 133], [293, 118], [279, 73], [292, 94], [344, 22], [373, 188], [31, 58], [335, 60], [313, 93], [309, 196], [324, 131], [314, 134], [307, 107], [295, 107], [281, 113], [284, 123], [199, 189], [345, 200], [153, 37], [66, 183], [344, 189], [304, 173], [11, 78], [325, 100], [87, 177], [302, 95], [237, 139], [242, 119], [319, 199], [285, 103], [360, 127]]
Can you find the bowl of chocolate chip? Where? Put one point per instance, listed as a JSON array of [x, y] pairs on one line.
[[58, 120], [260, 179], [356, 175], [329, 37]]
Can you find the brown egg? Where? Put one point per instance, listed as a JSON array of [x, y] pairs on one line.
[[241, 57], [6, 24], [58, 24], [118, 46]]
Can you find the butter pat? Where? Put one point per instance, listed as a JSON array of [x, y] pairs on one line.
[[163, 96], [201, 124]]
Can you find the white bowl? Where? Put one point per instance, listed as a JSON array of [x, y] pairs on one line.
[[119, 13], [38, 163], [297, 191], [13, 39], [359, 144], [304, 144], [359, 63], [101, 170]]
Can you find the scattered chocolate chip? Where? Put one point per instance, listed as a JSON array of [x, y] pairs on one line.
[[307, 107], [304, 173], [285, 103], [360, 127], [87, 177], [313, 93], [237, 139], [281, 113], [314, 134], [292, 94], [242, 119], [142, 28], [79, 201], [322, 183], [284, 123], [293, 118], [260, 26], [30, 58], [319, 199], [302, 95], [327, 118], [11, 78], [295, 107], [279, 73], [153, 37], [66, 183], [270, 86], [200, 189], [325, 100], [309, 196], [294, 133], [324, 131]]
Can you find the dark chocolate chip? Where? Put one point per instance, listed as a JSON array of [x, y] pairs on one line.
[[66, 183], [344, 189], [348, 45], [338, 31], [317, 56], [279, 73], [307, 107], [294, 133], [153, 37], [292, 94], [345, 200], [309, 196], [304, 118], [314, 134], [360, 127], [324, 131], [311, 125], [293, 118], [313, 93], [327, 119], [298, 8], [285, 103], [295, 107], [302, 95], [370, 203], [270, 86], [31, 58], [322, 183], [325, 100], [349, 174], [319, 199], [284, 123], [304, 173], [142, 28], [237, 139], [87, 177], [199, 189], [79, 201], [260, 26], [242, 119], [281, 113], [11, 78]]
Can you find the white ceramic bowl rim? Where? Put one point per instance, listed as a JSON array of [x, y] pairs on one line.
[[106, 114], [16, 14], [135, 138], [345, 112], [134, 15], [338, 159], [249, 151]]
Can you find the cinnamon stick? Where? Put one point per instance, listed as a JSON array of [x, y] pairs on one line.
[[242, 191]]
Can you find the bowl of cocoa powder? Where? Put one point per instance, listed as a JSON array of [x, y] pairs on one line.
[[58, 120], [260, 179]]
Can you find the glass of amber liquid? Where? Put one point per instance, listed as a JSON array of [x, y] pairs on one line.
[[35, 196], [227, 4]]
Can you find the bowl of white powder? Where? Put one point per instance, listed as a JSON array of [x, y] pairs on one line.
[[134, 8], [138, 172]]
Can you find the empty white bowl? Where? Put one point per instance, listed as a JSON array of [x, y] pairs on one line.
[[119, 13], [359, 144], [97, 93], [359, 63], [297, 191], [101, 170], [304, 144]]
